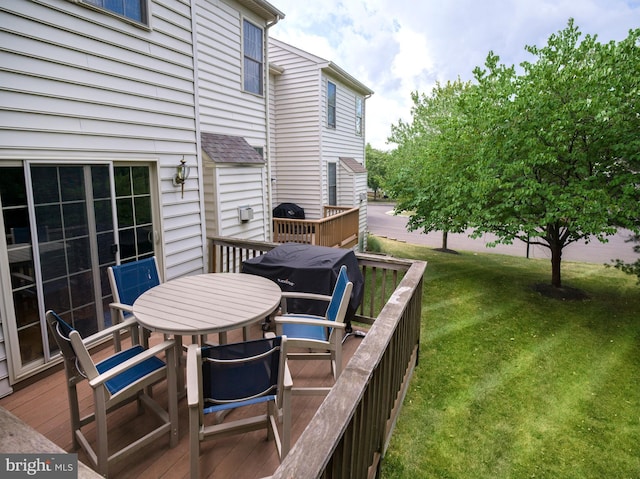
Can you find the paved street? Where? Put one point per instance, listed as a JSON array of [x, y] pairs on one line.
[[382, 222]]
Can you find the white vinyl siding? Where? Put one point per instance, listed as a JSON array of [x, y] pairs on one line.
[[304, 143], [240, 186], [83, 87], [296, 148], [82, 84], [225, 107]]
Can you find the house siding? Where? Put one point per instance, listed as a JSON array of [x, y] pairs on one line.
[[304, 143], [226, 109], [77, 85], [240, 186], [296, 161]]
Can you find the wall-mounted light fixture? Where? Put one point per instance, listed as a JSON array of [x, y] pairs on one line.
[[182, 173]]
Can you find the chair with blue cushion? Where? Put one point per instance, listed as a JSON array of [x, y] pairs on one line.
[[115, 381], [128, 281], [319, 337], [239, 375]]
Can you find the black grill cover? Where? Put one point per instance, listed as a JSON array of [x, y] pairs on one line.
[[289, 211], [310, 269]]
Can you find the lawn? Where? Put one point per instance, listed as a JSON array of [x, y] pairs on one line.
[[512, 384]]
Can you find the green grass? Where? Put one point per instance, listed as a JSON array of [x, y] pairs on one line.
[[512, 384]]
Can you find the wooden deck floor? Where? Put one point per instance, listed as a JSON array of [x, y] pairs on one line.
[[44, 406]]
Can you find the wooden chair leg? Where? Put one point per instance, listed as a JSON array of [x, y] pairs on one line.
[[194, 443], [102, 456]]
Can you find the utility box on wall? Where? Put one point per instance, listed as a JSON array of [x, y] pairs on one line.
[[245, 213]]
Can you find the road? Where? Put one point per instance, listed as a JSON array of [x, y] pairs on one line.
[[382, 222]]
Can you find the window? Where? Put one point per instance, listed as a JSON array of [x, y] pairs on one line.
[[359, 115], [332, 184], [331, 105], [252, 58], [132, 9]]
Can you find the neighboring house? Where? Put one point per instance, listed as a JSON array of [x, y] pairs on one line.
[[317, 133]]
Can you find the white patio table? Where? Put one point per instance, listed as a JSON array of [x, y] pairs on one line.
[[207, 303]]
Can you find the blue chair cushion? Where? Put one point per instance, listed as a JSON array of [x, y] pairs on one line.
[[131, 375], [304, 331]]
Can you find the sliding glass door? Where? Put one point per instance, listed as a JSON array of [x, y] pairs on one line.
[[64, 225]]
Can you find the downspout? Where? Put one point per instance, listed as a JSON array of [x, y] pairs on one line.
[[267, 109], [199, 160]]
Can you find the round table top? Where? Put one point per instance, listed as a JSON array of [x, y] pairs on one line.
[[207, 303]]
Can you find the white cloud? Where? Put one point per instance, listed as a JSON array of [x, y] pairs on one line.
[[399, 46]]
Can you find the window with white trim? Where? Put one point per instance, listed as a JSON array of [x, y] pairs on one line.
[[253, 58], [332, 183], [359, 115], [331, 104], [131, 9]]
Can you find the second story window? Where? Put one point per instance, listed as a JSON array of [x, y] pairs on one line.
[[332, 184], [359, 115], [331, 105], [253, 62], [132, 9]]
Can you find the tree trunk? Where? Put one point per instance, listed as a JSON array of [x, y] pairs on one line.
[[445, 235], [556, 259]]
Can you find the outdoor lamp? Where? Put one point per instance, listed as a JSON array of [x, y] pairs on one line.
[[182, 173]]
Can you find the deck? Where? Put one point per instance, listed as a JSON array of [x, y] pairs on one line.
[[345, 434], [43, 406]]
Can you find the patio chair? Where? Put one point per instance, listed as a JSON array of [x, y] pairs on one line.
[[322, 337], [230, 376], [128, 281], [115, 381]]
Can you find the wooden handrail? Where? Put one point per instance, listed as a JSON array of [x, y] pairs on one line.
[[338, 228], [349, 434]]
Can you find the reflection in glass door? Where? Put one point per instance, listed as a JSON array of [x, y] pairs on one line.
[[72, 207]]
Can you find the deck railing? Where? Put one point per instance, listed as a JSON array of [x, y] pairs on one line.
[[349, 434], [338, 227]]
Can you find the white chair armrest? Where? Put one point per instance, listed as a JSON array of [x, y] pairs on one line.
[[309, 320], [124, 307], [129, 323], [193, 388], [129, 363], [314, 296]]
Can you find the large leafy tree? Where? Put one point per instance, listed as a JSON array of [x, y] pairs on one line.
[[549, 155]]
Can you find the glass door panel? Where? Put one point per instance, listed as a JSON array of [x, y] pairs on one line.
[[15, 214], [62, 204]]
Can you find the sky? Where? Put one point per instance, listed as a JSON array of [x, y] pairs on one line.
[[396, 47]]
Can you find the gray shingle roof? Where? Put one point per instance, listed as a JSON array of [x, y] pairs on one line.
[[353, 165], [229, 149]]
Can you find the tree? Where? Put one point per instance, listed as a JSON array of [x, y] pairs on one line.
[[428, 148], [377, 162], [550, 155]]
